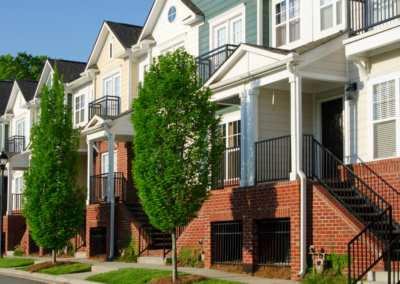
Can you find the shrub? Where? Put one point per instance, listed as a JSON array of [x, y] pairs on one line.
[[190, 257], [18, 251]]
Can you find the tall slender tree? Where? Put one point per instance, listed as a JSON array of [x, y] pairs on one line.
[[52, 201], [178, 149]]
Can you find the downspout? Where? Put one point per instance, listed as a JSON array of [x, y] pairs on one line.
[[112, 199], [303, 184]]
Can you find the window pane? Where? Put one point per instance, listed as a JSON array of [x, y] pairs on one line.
[[385, 139], [294, 30], [221, 36], [83, 101], [117, 86], [384, 100], [237, 32], [339, 12], [108, 88], [326, 17], [280, 13], [280, 35], [294, 8]]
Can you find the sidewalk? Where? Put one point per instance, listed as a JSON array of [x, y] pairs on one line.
[[105, 266]]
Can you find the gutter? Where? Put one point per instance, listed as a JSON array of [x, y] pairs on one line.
[[303, 179], [111, 194]]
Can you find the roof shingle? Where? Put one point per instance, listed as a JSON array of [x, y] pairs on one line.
[[127, 35], [192, 7], [71, 70], [5, 92], [27, 88]]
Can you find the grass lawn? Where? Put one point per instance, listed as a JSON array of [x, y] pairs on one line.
[[67, 269], [142, 275], [15, 262]]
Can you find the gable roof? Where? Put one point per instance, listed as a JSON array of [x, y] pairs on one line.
[[27, 88], [192, 7], [70, 69], [127, 35], [5, 92]]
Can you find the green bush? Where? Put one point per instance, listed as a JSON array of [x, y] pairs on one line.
[[18, 251], [190, 257], [131, 251]]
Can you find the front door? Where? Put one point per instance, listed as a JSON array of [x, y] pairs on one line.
[[332, 127]]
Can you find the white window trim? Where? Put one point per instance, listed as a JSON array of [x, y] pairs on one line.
[[370, 112], [19, 177], [85, 107], [303, 36], [111, 42], [236, 13], [117, 71], [180, 40], [176, 14], [324, 33]]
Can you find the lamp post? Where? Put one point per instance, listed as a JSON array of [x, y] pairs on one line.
[[3, 163]]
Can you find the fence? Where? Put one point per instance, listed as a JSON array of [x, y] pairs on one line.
[[15, 144], [227, 243], [108, 105]]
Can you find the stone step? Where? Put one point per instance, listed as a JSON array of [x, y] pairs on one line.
[[80, 254], [155, 260]]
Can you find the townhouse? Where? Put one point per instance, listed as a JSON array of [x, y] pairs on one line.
[[308, 93]]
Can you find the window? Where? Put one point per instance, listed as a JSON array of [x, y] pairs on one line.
[[111, 49], [79, 109], [237, 32], [49, 82], [384, 119], [172, 14], [330, 13], [221, 37], [287, 22], [19, 184], [232, 137], [21, 127], [112, 86], [104, 162]]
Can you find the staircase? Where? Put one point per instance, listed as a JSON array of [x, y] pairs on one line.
[[379, 241]]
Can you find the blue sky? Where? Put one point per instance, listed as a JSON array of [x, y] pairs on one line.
[[62, 29]]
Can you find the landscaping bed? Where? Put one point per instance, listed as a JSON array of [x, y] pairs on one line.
[[260, 271], [58, 268], [187, 279]]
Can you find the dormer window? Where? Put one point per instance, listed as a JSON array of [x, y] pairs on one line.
[[172, 14], [287, 22], [330, 13]]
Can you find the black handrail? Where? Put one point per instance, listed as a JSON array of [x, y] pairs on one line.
[[15, 144], [394, 261], [99, 187], [364, 15], [107, 105], [209, 62]]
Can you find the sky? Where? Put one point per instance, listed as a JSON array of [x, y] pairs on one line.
[[63, 29]]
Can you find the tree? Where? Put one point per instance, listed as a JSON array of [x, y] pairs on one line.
[[178, 148], [52, 201], [23, 66]]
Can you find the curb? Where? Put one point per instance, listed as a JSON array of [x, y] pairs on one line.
[[44, 277]]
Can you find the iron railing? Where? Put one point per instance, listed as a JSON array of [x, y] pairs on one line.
[[99, 187], [228, 243], [273, 159], [107, 105], [230, 168], [394, 262], [16, 203], [210, 62], [274, 243], [19, 234], [15, 144], [365, 15]]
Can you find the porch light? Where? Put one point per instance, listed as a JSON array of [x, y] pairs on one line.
[[351, 90], [3, 160]]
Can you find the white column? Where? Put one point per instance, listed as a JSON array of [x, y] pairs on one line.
[[9, 191], [299, 124], [89, 168], [110, 168], [293, 132], [243, 140], [252, 133]]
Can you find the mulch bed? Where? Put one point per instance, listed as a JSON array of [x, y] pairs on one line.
[[181, 279], [101, 257], [260, 271], [45, 265]]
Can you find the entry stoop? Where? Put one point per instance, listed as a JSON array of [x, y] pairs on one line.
[[154, 260], [376, 277]]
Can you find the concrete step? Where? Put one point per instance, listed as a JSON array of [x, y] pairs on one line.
[[155, 260], [80, 254], [379, 276]]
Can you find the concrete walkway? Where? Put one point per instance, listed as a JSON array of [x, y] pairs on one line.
[[105, 266]]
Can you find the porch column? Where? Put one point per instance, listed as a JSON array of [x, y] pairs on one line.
[[9, 191], [89, 168], [252, 133], [111, 138], [243, 140], [296, 131]]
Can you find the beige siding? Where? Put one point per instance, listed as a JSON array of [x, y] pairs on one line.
[[134, 80], [385, 61], [275, 123], [332, 64], [82, 177]]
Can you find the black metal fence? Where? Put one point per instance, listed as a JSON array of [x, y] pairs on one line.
[[80, 239], [209, 62], [274, 243], [99, 187], [365, 15], [230, 168], [107, 105], [15, 144], [273, 159], [227, 243], [16, 203]]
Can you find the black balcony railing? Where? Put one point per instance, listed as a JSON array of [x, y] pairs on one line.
[[230, 168], [108, 105], [15, 144], [365, 15], [210, 62]]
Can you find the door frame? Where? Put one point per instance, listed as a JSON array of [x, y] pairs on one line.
[[319, 120]]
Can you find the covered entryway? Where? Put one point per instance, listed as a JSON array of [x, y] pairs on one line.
[[332, 127]]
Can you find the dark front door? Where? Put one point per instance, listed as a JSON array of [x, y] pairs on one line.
[[332, 127], [98, 241]]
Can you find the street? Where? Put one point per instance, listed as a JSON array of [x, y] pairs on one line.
[[7, 279]]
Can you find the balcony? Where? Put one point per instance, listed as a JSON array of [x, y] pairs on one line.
[[15, 144], [367, 15], [108, 106], [210, 62]]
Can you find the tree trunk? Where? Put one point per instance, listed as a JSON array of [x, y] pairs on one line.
[[54, 256], [174, 257]]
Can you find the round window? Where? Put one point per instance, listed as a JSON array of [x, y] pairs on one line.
[[172, 14]]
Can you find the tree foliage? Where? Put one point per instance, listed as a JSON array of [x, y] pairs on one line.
[[23, 66], [177, 144], [52, 201]]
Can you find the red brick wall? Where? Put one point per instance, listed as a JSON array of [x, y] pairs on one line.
[[11, 223]]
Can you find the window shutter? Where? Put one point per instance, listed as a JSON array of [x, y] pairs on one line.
[[69, 99], [327, 17], [384, 139]]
